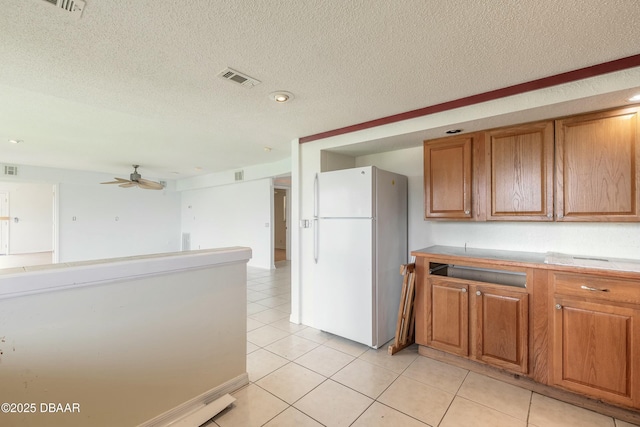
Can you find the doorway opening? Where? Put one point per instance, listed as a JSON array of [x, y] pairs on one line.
[[280, 225], [281, 214], [27, 224], [4, 223]]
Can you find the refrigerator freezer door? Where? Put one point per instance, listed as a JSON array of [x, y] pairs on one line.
[[346, 193], [344, 280]]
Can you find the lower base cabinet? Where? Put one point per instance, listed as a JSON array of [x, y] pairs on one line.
[[485, 322], [448, 316], [572, 329], [501, 327], [596, 339]]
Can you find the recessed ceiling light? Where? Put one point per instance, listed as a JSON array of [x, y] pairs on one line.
[[15, 141], [634, 98], [281, 97], [267, 149], [452, 131]]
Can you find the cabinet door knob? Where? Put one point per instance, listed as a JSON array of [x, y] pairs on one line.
[[463, 290], [558, 307], [467, 212], [549, 215], [478, 293]]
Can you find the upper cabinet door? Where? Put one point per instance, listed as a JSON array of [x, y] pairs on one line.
[[448, 177], [597, 175], [520, 173]]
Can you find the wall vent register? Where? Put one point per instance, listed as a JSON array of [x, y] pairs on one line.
[[74, 7], [10, 170], [238, 78]]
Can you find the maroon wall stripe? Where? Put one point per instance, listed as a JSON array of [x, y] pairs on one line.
[[570, 76]]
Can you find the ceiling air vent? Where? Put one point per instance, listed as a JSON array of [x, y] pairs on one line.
[[75, 7], [239, 78], [239, 176], [11, 170]]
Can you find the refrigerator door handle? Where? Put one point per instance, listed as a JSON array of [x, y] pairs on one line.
[[316, 236], [315, 196]]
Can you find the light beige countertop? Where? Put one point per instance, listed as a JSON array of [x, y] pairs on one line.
[[547, 260]]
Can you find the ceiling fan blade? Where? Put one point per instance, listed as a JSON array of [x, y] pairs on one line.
[[136, 181], [149, 185], [117, 181]]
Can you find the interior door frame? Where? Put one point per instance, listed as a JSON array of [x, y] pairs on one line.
[[55, 237], [287, 214], [4, 224], [55, 256]]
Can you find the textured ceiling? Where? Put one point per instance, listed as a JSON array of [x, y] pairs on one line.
[[135, 81]]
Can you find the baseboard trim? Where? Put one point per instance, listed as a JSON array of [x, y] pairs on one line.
[[173, 415]]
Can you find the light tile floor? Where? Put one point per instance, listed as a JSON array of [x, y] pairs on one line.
[[300, 376]]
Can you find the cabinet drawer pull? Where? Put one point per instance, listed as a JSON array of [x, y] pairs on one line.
[[587, 288]]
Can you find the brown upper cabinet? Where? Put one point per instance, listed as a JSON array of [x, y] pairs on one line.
[[597, 158], [507, 174], [520, 172], [448, 177]]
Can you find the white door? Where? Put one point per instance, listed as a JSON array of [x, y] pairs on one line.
[[4, 223], [344, 280], [346, 193]]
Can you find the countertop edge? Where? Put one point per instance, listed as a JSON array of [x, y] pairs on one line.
[[33, 280], [547, 261]]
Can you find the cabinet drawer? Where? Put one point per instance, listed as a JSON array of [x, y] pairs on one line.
[[596, 287]]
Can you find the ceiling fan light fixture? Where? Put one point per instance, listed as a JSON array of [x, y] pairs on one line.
[[281, 97], [136, 180]]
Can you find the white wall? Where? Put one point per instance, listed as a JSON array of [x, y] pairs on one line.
[[148, 220], [152, 221], [99, 221], [251, 173], [231, 215], [32, 204]]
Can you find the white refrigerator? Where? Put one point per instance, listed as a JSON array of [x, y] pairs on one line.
[[360, 241]]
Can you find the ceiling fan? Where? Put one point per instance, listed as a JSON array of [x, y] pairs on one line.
[[136, 180]]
